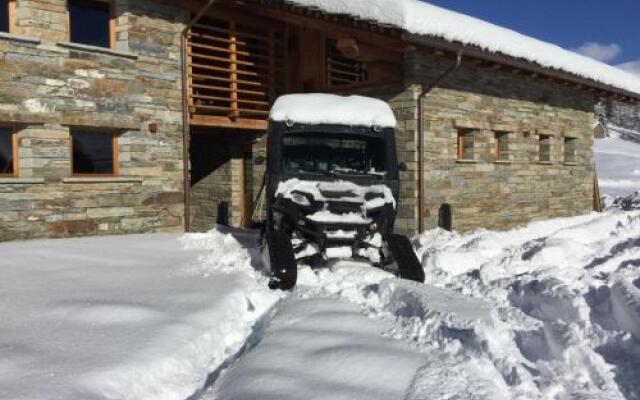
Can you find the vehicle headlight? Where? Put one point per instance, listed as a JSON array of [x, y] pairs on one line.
[[300, 199]]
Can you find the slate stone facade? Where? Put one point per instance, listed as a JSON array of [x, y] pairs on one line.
[[48, 86]]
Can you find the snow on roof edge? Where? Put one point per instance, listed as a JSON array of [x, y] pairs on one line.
[[424, 19]]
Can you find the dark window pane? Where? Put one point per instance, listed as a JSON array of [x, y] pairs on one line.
[[89, 22], [92, 153], [6, 151], [4, 15]]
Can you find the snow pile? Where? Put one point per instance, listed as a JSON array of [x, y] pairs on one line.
[[565, 307], [618, 162], [321, 108], [420, 18], [549, 311], [130, 317]]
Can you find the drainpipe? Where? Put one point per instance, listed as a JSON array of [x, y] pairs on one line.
[[421, 97], [186, 122]]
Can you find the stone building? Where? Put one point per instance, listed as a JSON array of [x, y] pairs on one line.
[[127, 116]]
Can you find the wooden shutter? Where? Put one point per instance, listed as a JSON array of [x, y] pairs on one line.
[[342, 71], [237, 69]]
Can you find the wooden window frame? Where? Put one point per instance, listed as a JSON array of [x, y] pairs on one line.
[[541, 138], [112, 22], [574, 156], [14, 151], [115, 143], [499, 156], [11, 13], [461, 135]]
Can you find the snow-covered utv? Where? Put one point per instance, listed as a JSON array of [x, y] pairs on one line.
[[332, 187]]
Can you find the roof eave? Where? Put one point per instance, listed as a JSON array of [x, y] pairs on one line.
[[524, 65]]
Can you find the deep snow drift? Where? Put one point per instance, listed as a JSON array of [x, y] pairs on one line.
[[131, 317], [548, 311]]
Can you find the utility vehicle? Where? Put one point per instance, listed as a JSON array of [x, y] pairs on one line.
[[332, 187]]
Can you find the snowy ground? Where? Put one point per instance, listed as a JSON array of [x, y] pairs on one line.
[[548, 311], [618, 162]]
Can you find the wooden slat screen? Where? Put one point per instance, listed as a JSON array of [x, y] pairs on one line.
[[342, 71], [236, 70]]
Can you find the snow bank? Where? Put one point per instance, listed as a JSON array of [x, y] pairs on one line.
[[418, 17], [320, 108], [132, 317], [548, 311]]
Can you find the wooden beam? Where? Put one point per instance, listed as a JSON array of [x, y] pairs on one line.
[[226, 122]]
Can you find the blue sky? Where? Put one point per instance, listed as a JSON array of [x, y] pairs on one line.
[[605, 29]]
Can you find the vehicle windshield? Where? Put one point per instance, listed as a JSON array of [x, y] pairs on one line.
[[334, 154]]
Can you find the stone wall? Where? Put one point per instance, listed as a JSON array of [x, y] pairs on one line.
[[48, 86], [495, 194]]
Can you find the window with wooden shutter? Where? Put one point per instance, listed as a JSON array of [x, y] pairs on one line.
[[342, 71], [236, 69], [466, 143]]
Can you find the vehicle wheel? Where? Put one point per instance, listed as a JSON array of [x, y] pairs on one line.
[[282, 262], [408, 265]]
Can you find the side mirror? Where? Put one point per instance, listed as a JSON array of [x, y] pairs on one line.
[[403, 167], [259, 160]]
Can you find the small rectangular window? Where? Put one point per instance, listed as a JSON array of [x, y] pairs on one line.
[[502, 146], [465, 145], [90, 22], [544, 149], [94, 153], [570, 150], [8, 152]]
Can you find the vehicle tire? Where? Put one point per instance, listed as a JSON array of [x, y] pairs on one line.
[[282, 261], [402, 251]]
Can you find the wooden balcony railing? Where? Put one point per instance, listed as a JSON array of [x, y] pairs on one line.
[[236, 71]]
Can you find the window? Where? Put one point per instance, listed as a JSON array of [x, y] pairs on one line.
[[7, 15], [323, 153], [570, 150], [465, 145], [342, 70], [544, 148], [94, 153], [90, 22], [8, 151], [502, 146]]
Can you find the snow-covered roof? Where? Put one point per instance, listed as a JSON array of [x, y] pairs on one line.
[[420, 18], [323, 108]]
